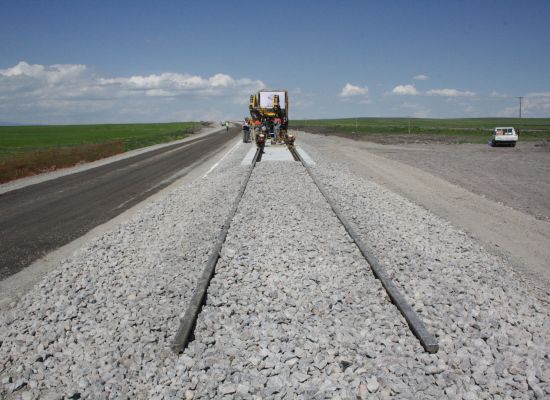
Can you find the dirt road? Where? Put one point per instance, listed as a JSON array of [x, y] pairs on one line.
[[516, 177], [500, 196]]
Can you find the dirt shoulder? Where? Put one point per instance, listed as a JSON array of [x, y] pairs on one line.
[[516, 177], [499, 197]]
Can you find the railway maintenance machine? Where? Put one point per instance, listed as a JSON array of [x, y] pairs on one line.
[[269, 117]]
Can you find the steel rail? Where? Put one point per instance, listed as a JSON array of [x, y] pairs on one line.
[[187, 324], [427, 340]]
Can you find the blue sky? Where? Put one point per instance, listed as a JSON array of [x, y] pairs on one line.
[[137, 61]]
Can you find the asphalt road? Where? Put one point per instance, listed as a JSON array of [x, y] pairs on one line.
[[37, 219]]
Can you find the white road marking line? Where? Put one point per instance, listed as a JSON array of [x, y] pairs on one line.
[[213, 167]]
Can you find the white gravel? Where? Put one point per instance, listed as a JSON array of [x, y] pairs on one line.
[[293, 310], [494, 333], [100, 325]]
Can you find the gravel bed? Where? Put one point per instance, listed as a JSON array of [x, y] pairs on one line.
[[293, 310], [494, 332], [100, 325]]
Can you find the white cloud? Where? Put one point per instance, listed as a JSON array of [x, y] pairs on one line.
[[494, 93], [449, 93], [509, 112], [536, 104], [41, 93], [538, 94], [418, 110], [406, 104], [175, 84], [423, 113], [421, 77], [158, 93], [53, 73], [48, 80], [405, 90], [350, 90]]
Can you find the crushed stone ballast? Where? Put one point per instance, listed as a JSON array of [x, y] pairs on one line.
[[188, 322]]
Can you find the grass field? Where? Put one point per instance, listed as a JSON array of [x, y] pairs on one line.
[[22, 139], [464, 130], [28, 150]]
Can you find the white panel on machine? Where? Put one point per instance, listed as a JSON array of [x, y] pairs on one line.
[[266, 99]]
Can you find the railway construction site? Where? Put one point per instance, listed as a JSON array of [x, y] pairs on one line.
[[301, 271]]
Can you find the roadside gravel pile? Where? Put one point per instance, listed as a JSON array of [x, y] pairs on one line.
[[100, 325], [494, 333]]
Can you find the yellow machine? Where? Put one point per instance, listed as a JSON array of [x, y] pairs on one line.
[[269, 112]]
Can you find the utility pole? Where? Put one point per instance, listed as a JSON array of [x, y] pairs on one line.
[[520, 98]]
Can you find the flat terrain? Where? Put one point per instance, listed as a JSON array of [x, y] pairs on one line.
[[424, 130], [39, 218], [293, 310], [501, 196], [32, 150], [21, 139], [517, 177]]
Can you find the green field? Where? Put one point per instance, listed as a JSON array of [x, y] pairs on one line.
[[471, 130], [30, 150], [22, 139]]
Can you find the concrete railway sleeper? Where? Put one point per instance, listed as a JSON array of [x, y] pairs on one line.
[[187, 324]]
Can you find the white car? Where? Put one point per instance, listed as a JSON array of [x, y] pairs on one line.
[[504, 136]]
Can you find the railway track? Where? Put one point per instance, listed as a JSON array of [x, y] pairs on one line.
[[187, 324]]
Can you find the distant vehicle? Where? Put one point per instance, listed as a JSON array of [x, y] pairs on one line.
[[504, 136]]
